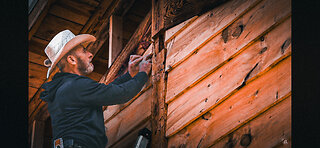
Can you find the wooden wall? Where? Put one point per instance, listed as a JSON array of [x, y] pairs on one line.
[[229, 77], [228, 81], [124, 121]]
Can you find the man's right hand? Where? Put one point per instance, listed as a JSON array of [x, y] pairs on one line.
[[145, 64]]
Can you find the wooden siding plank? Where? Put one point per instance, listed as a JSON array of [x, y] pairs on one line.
[[271, 129], [69, 14], [240, 34], [37, 45], [111, 110], [246, 104], [228, 78], [36, 58], [129, 118], [174, 31], [36, 75], [77, 6], [35, 102], [207, 25], [31, 92], [130, 139], [114, 110], [52, 25]]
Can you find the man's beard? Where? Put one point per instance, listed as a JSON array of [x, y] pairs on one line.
[[84, 68]]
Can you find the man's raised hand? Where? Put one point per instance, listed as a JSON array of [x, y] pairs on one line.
[[133, 67], [145, 64]]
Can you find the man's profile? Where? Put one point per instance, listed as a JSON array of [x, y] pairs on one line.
[[74, 100]]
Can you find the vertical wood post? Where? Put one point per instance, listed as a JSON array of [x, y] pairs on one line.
[[115, 38], [37, 134], [159, 107]]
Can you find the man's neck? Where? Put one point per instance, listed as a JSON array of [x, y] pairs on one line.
[[73, 71]]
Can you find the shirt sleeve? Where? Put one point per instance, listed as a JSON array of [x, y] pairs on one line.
[[124, 78], [90, 92]]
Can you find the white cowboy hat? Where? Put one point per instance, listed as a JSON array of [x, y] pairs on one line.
[[61, 44]]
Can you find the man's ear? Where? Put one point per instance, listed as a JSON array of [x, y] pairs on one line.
[[72, 59]]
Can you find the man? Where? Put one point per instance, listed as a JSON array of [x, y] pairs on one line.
[[74, 100]]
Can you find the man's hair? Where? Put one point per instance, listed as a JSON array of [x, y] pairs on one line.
[[63, 61]]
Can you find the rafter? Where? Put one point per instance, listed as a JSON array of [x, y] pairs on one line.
[[37, 16]]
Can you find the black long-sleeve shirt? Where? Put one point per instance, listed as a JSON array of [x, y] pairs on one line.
[[75, 104]]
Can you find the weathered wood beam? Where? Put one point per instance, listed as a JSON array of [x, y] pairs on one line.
[[128, 49], [159, 107], [157, 17], [115, 38], [97, 16], [38, 8], [34, 27], [158, 78], [127, 7], [92, 3], [179, 11], [102, 33]]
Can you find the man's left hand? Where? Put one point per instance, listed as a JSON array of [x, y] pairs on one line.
[[133, 67]]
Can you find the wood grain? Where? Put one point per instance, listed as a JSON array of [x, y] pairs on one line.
[[270, 129], [130, 139], [158, 13], [37, 134], [115, 38], [31, 92], [174, 31], [227, 79], [96, 16], [35, 13], [70, 13], [35, 103], [37, 45], [129, 118], [35, 26], [52, 25], [36, 58], [159, 107], [202, 29], [36, 75], [211, 56], [241, 107]]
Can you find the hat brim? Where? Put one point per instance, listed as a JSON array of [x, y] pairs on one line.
[[82, 38]]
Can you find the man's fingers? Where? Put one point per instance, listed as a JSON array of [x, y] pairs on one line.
[[137, 60], [133, 57], [146, 57]]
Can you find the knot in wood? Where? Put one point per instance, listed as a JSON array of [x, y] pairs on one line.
[[245, 140], [206, 116], [238, 31]]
